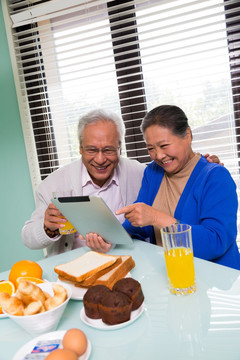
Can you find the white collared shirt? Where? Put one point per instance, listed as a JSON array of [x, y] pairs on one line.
[[109, 192]]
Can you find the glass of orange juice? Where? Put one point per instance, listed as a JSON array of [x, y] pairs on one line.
[[68, 227], [178, 251]]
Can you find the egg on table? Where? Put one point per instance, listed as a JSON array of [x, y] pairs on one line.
[[75, 340], [62, 354]]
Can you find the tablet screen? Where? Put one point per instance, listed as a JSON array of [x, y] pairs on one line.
[[91, 214]]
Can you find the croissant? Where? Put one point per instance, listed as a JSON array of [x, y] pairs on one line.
[[12, 305], [30, 299], [34, 307], [46, 294], [60, 295], [29, 292]]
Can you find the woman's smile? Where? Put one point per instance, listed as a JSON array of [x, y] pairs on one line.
[[169, 151]]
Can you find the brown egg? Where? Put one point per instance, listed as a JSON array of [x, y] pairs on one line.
[[75, 340], [62, 354]]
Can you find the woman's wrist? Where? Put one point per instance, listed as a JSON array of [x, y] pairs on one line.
[[165, 220]]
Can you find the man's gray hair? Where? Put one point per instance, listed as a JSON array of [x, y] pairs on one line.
[[101, 115]]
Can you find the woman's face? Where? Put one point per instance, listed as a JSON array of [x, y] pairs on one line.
[[169, 151]]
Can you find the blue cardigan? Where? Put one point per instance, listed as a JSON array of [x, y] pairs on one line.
[[208, 203]]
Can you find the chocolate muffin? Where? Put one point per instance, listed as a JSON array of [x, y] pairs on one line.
[[115, 308], [92, 298], [132, 288]]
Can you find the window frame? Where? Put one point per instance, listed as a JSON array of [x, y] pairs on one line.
[[44, 131]]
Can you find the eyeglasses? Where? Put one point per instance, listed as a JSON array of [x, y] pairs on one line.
[[107, 151]]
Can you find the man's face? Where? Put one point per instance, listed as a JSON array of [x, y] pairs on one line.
[[103, 136]]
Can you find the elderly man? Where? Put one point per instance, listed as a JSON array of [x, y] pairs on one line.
[[100, 171]]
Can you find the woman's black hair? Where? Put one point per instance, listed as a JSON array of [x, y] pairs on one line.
[[168, 116]]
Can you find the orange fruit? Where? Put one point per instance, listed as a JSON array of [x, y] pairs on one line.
[[24, 268], [8, 287], [29, 278]]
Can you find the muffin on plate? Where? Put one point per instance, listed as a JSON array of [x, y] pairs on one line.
[[132, 288], [92, 298], [115, 308]]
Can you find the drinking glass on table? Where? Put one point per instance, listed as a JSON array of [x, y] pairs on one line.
[[178, 251], [68, 227]]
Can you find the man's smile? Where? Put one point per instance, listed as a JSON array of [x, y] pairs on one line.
[[100, 168]]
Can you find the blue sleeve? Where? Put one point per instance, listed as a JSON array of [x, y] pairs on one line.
[[211, 210]]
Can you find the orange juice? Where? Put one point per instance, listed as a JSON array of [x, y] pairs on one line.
[[68, 228], [180, 270]]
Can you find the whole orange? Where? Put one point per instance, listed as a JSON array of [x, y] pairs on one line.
[[24, 268]]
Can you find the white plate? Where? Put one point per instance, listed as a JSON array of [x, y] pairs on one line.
[[2, 316], [99, 324], [78, 292], [27, 348]]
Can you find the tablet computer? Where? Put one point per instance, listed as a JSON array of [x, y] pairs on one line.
[[91, 214]]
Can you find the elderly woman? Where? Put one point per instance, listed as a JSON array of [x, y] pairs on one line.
[[181, 185]]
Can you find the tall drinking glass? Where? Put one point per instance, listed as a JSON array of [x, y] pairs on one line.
[[178, 251]]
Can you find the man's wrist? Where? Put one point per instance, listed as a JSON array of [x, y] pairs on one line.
[[51, 233]]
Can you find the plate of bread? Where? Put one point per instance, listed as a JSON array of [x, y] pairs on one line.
[[93, 268]]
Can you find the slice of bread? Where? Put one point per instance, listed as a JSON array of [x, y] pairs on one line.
[[84, 266], [91, 280], [119, 272]]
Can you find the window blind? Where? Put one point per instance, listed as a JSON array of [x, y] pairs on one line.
[[126, 56]]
